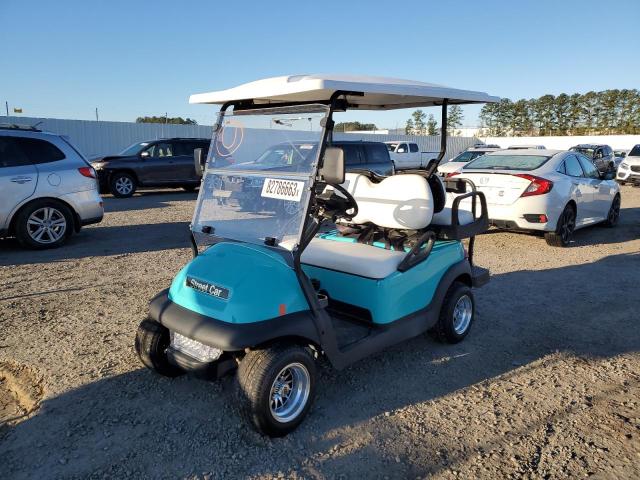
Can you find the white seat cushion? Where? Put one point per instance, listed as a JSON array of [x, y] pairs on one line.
[[353, 258], [399, 201], [465, 216]]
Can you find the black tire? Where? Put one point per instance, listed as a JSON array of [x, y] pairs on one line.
[[563, 233], [55, 230], [122, 185], [256, 375], [152, 340], [452, 328], [614, 213], [189, 188]]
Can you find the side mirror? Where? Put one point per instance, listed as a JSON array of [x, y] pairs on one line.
[[332, 170], [199, 160], [402, 150], [145, 154]]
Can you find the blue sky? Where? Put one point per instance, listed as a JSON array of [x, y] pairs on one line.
[[130, 58]]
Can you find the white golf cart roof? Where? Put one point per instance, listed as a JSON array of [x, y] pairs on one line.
[[380, 93]]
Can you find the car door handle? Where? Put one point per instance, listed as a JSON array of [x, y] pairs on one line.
[[21, 180]]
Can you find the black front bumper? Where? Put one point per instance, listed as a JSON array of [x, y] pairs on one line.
[[230, 337]]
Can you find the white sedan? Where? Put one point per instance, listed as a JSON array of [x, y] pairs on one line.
[[546, 190]]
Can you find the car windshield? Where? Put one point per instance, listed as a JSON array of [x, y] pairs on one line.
[[134, 149], [465, 157], [635, 151], [589, 152], [259, 173], [507, 162]]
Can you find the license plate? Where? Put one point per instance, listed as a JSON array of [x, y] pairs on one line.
[[208, 288], [282, 189]]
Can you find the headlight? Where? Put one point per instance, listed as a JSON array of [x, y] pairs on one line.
[[98, 165], [193, 348]]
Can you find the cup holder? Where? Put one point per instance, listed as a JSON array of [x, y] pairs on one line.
[[323, 300]]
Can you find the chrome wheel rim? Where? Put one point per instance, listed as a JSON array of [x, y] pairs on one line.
[[289, 392], [568, 225], [124, 185], [46, 225], [462, 313], [614, 211]]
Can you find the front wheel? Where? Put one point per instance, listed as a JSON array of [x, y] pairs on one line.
[[152, 341], [563, 233], [614, 213], [122, 185], [275, 388], [456, 314]]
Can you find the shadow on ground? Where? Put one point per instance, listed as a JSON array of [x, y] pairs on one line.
[[146, 200], [142, 425], [102, 241]]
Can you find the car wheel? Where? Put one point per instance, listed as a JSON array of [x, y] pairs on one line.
[[44, 224], [563, 233], [275, 387], [614, 213], [456, 314], [122, 185], [152, 341]]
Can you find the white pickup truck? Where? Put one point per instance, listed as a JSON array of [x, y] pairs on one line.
[[406, 155]]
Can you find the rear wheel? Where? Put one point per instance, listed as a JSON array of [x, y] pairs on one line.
[[152, 341], [44, 224], [275, 388], [456, 314], [563, 233], [122, 185], [614, 213]]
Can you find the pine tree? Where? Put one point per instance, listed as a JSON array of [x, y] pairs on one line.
[[432, 126], [454, 119], [418, 122], [409, 128]]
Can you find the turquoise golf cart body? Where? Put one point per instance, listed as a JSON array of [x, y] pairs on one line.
[[295, 260]]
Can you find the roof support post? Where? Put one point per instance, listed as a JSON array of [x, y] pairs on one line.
[[443, 138]]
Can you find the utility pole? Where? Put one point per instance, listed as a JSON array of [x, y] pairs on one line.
[[97, 118], [6, 104]]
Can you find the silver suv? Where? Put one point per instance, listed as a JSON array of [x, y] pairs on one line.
[[47, 189]]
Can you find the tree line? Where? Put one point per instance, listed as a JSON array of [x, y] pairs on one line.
[[168, 120], [607, 112], [420, 124]]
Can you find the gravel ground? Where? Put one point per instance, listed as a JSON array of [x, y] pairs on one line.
[[546, 385]]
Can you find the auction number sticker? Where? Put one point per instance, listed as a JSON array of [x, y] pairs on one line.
[[282, 189]]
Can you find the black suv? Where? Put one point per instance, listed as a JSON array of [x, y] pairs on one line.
[[372, 156], [166, 162], [600, 155]]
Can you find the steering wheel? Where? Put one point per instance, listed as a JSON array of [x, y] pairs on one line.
[[339, 204]]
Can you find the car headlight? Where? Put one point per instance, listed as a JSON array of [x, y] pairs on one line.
[[98, 165]]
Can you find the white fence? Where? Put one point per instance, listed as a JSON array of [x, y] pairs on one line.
[[104, 138], [617, 142]]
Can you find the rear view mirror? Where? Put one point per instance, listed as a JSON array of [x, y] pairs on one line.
[[332, 170], [199, 161]]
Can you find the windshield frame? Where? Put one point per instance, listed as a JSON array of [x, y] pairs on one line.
[[308, 175], [141, 146]]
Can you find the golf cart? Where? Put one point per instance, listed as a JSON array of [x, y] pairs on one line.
[[361, 263]]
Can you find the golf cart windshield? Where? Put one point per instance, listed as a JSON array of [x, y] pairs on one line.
[[259, 172]]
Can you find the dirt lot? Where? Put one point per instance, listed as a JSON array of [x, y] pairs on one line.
[[546, 385]]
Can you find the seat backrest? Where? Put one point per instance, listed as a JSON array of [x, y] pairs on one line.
[[400, 202]]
